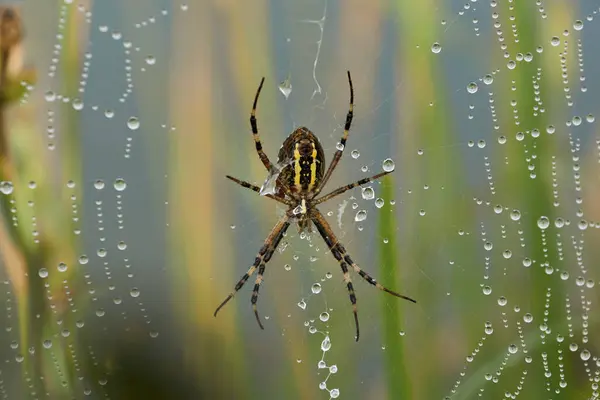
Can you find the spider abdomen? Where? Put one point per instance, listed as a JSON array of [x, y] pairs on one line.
[[303, 156]]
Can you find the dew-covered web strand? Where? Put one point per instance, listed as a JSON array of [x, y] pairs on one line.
[[54, 100]]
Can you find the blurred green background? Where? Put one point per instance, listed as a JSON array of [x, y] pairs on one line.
[[120, 234]]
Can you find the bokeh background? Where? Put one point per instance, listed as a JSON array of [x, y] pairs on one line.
[[120, 234]]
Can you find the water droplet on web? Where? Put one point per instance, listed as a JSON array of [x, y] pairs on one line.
[[109, 113], [339, 146], [287, 267], [120, 184], [135, 292], [77, 104], [528, 318], [50, 96], [555, 41], [62, 267], [436, 48], [302, 304], [512, 349], [488, 329], [83, 259], [150, 60], [379, 202], [285, 87], [578, 25], [43, 273], [361, 216], [355, 154], [6, 187], [316, 288], [368, 193], [487, 290], [324, 317], [122, 245], [488, 79], [585, 354], [101, 253], [543, 222], [99, 184], [388, 165], [133, 123], [472, 88], [334, 393], [527, 262], [326, 344]]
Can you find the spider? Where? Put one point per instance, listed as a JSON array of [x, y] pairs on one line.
[[300, 181]]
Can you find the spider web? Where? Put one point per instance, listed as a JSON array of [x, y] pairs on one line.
[[489, 117]]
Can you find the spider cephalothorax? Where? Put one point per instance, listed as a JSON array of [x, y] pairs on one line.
[[299, 183]]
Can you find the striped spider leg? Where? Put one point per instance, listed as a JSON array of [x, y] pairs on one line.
[[340, 254]]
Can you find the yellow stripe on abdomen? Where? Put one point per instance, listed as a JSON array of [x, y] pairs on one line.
[[297, 168], [313, 168]]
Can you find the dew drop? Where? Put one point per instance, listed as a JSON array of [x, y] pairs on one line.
[[472, 88], [388, 165], [6, 187], [120, 184], [585, 354], [543, 222], [285, 87], [99, 184], [361, 216], [368, 193], [326, 344], [133, 123], [316, 288]]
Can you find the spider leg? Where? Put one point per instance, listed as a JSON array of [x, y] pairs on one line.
[[257, 190], [261, 154], [264, 255], [338, 154], [262, 266], [340, 254], [343, 189]]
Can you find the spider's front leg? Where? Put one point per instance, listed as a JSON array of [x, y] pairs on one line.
[[264, 255], [340, 254], [340, 151]]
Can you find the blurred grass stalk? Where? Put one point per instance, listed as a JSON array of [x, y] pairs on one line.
[[425, 123], [398, 379], [28, 195]]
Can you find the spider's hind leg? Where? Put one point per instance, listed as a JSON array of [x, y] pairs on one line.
[[264, 255], [340, 254]]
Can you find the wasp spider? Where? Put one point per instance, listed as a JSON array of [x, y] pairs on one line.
[[299, 183]]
